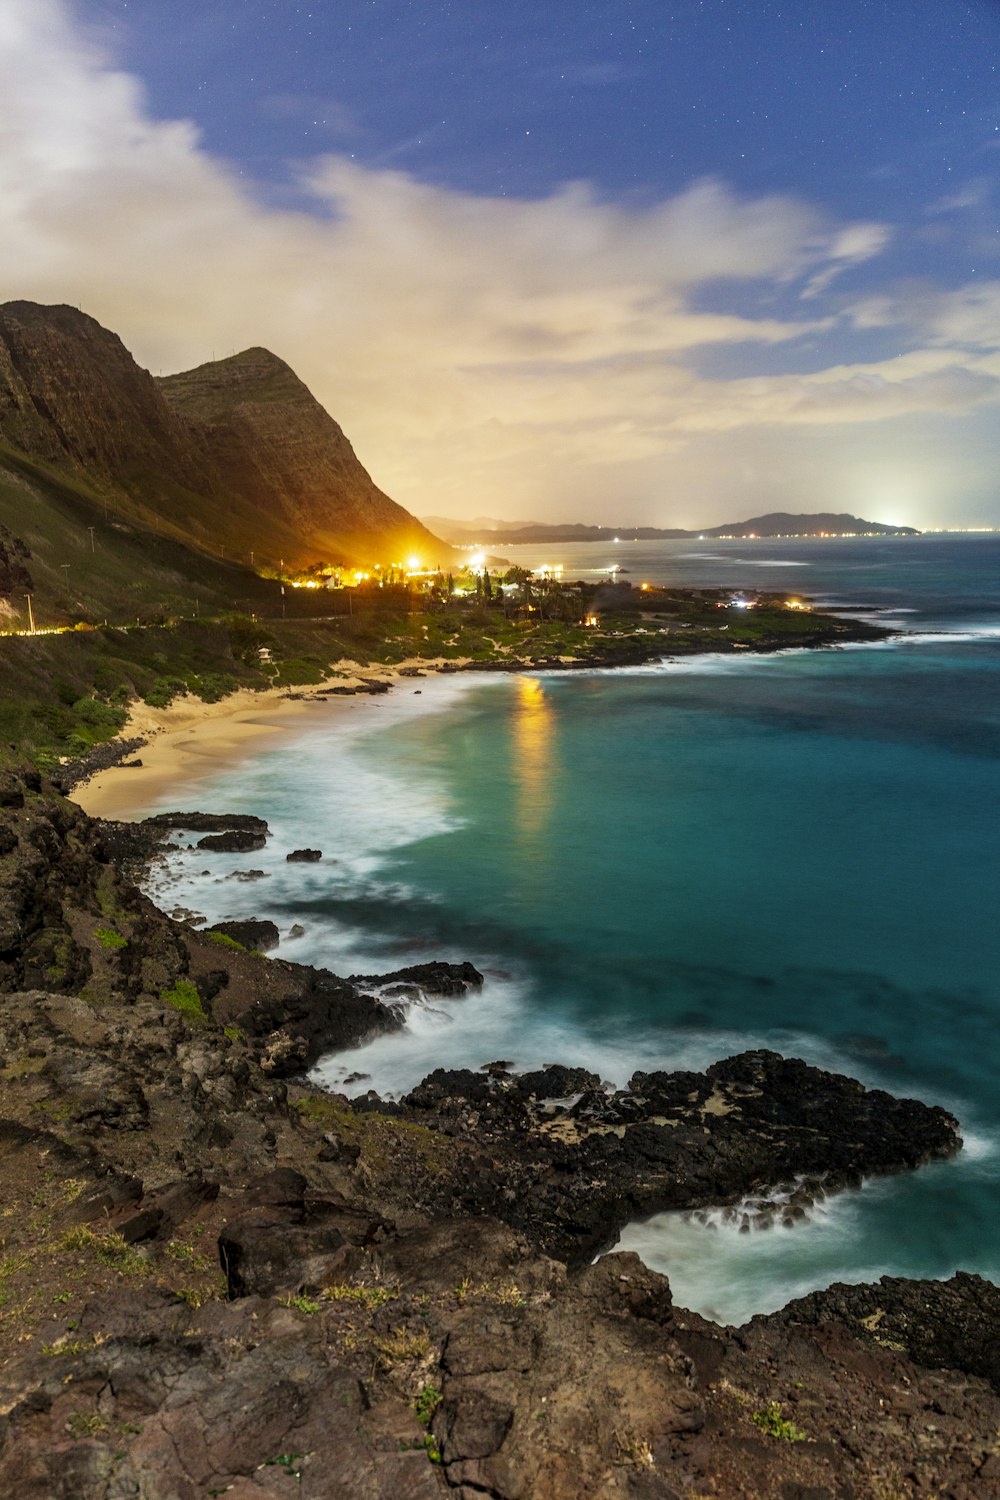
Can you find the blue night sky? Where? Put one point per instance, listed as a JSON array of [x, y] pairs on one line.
[[632, 261]]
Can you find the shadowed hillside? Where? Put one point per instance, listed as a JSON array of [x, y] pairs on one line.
[[235, 458]]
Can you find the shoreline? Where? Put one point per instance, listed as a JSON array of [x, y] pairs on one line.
[[191, 739]]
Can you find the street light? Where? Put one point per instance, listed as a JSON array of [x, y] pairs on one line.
[[31, 617]]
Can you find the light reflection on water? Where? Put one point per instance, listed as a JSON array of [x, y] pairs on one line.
[[671, 864]]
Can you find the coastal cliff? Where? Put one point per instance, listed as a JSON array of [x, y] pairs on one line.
[[235, 455], [290, 463], [218, 1279]]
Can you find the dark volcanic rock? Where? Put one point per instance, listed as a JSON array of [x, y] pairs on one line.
[[573, 1179], [432, 978], [304, 856], [944, 1324], [303, 1013], [251, 933], [199, 822], [236, 841]]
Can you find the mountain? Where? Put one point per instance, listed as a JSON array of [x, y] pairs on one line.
[[446, 525], [236, 456], [778, 523], [821, 523], [290, 464]]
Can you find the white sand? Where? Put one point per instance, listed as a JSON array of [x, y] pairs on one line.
[[191, 739]]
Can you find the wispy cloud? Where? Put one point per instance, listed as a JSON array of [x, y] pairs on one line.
[[483, 352]]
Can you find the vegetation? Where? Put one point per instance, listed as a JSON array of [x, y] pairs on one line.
[[428, 1400], [155, 620], [183, 996], [109, 939], [771, 1421]]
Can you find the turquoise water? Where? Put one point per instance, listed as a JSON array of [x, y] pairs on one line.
[[663, 865]]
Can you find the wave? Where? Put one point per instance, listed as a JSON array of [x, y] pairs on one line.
[[729, 1274], [745, 562]]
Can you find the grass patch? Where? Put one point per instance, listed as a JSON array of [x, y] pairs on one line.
[[110, 1249], [402, 1346], [109, 939], [184, 997], [302, 1304], [372, 1297], [223, 940]]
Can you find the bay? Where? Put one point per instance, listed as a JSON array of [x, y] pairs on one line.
[[663, 865]]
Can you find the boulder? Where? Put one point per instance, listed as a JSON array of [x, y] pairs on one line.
[[433, 978], [304, 856], [252, 933], [199, 822], [235, 841]]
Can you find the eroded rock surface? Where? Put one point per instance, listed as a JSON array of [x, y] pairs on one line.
[[219, 1280]]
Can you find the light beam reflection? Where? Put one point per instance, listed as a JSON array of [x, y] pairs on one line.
[[533, 731]]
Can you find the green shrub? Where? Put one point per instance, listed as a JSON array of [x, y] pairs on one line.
[[300, 671], [774, 1424], [211, 686], [184, 997], [109, 939], [164, 691]]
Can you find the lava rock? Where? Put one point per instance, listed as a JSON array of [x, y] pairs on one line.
[[199, 822], [235, 841], [253, 933]]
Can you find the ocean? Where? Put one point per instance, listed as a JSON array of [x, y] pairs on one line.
[[659, 866]]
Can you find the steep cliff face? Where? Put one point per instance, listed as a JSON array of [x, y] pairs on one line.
[[71, 393], [236, 455], [14, 556], [285, 455]]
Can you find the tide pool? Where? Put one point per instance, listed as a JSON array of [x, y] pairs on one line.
[[659, 866]]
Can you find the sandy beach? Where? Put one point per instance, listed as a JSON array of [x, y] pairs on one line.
[[191, 739]]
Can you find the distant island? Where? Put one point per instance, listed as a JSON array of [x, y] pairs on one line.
[[777, 523]]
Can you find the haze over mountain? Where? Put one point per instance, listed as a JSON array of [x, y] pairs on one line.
[[236, 457]]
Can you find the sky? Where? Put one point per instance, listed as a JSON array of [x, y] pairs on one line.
[[618, 261]]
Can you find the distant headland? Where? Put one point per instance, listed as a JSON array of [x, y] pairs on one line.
[[779, 523]]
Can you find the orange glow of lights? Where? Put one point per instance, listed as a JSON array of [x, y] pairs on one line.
[[532, 732]]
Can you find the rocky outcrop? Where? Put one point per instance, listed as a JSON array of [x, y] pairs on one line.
[[217, 1280], [357, 1357], [569, 1164], [200, 822], [432, 979], [948, 1325], [260, 935], [235, 841], [304, 856]]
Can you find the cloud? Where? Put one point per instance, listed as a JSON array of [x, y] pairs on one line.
[[970, 195], [851, 246], [481, 352], [967, 317]]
